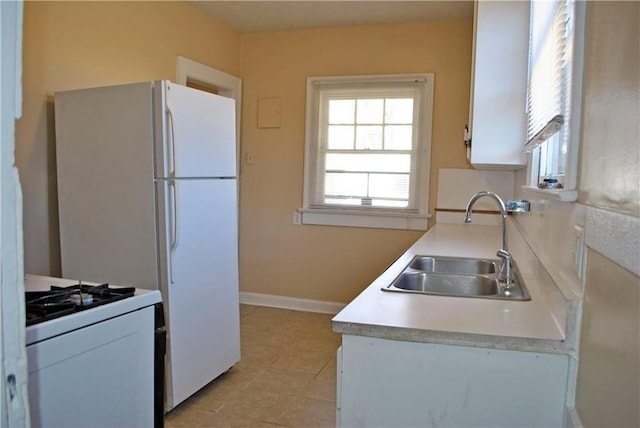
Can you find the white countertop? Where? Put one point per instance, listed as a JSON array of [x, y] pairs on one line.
[[539, 324]]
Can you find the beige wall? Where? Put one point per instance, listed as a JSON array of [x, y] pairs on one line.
[[81, 44], [610, 152], [608, 389], [322, 262]]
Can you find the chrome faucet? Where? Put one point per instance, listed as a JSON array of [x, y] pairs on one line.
[[503, 253]]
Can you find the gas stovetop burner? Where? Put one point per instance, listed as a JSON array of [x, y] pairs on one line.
[[60, 301]]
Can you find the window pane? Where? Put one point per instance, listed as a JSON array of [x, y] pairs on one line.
[[369, 137], [393, 186], [389, 203], [363, 190], [345, 184], [343, 201], [398, 110], [552, 157], [370, 110], [368, 162], [560, 167], [340, 137], [398, 137], [342, 111], [546, 158]]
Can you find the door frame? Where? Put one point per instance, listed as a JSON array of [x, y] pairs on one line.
[[227, 85], [14, 401]]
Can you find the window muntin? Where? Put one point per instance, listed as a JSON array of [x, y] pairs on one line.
[[368, 145]]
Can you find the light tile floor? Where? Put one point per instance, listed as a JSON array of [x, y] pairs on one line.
[[286, 376]]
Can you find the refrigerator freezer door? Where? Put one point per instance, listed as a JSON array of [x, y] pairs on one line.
[[104, 151], [201, 253], [200, 134]]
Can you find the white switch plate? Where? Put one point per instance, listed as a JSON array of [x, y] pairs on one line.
[[297, 217]]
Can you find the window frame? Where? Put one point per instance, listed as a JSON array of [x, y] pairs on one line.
[[370, 216], [569, 179]]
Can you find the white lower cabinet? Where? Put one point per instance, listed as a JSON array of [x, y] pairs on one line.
[[391, 383]]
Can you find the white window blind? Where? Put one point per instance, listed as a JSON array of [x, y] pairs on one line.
[[550, 70], [368, 144]]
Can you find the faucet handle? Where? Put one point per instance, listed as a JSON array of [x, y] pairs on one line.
[[504, 255]]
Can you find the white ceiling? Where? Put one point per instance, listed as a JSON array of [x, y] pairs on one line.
[[251, 16]]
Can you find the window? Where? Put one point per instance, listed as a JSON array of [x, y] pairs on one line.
[[368, 142], [553, 92]]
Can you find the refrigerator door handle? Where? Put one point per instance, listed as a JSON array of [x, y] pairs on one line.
[[172, 157], [174, 230]]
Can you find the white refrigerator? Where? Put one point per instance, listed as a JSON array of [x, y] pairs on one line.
[[147, 197]]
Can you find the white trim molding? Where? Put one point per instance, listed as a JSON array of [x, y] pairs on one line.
[[371, 220], [230, 85], [557, 194], [14, 374], [293, 303]]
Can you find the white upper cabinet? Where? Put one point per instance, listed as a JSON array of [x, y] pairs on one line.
[[497, 116]]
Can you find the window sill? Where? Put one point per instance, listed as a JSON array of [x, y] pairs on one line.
[[377, 220], [562, 195]]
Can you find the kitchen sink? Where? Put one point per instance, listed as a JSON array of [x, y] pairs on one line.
[[458, 276], [453, 265], [449, 284]]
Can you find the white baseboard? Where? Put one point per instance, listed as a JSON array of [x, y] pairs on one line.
[[293, 303]]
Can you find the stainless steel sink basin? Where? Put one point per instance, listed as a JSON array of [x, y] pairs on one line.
[[453, 265], [448, 284], [458, 276]]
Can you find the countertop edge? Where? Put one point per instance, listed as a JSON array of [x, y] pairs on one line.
[[451, 338]]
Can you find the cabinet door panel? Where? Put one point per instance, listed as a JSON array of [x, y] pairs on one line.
[[396, 383], [499, 85]]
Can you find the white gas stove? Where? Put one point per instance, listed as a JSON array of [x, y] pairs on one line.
[[95, 354]]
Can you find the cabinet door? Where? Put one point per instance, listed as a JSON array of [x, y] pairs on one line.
[[393, 383], [499, 84]]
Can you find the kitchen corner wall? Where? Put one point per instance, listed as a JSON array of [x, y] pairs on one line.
[[333, 264], [69, 45]]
